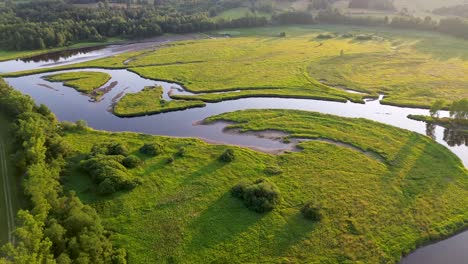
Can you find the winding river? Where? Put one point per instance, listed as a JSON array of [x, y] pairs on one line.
[[70, 105]]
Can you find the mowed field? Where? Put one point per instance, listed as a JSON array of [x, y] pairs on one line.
[[375, 207], [411, 68]]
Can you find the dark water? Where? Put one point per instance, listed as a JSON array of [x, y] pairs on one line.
[[86, 54], [70, 105]]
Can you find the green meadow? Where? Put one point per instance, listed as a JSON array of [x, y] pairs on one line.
[[149, 101], [411, 68], [374, 209], [85, 82]]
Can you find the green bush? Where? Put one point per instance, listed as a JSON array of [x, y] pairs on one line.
[[181, 152], [227, 156], [117, 149], [131, 162], [311, 212], [151, 149], [273, 170], [325, 36], [107, 186], [109, 149], [260, 196], [170, 160]]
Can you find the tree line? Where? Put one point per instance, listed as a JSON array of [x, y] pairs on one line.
[[54, 23], [47, 24], [56, 227]]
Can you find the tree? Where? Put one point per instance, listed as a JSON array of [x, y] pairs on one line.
[[435, 108], [459, 109]]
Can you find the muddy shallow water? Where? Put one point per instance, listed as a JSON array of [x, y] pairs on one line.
[[70, 105]]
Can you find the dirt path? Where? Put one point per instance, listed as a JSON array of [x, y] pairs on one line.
[[7, 194]]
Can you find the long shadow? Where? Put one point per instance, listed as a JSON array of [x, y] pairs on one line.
[[295, 230], [221, 222]]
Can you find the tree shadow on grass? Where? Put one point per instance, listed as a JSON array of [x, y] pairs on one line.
[[221, 222], [294, 231]]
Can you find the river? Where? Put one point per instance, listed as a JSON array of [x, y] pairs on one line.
[[70, 105]]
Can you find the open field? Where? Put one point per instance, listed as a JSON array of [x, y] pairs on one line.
[[411, 68], [82, 81], [374, 210], [149, 101]]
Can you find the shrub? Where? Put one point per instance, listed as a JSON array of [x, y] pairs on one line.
[[282, 34], [131, 161], [363, 37], [170, 160], [81, 125], [117, 149], [325, 36], [273, 170], [181, 152], [260, 196], [107, 186], [109, 149], [151, 149], [227, 156], [309, 211]]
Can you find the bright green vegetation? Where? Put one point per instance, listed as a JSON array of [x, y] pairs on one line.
[[411, 68], [53, 227], [149, 101], [370, 211], [85, 82]]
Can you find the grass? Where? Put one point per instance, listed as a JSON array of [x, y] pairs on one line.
[[149, 101], [82, 81], [240, 12], [373, 211], [411, 68]]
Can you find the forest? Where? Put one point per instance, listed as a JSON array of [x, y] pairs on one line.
[[51, 23], [54, 226]]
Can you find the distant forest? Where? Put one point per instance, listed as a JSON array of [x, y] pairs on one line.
[[53, 23], [459, 10]]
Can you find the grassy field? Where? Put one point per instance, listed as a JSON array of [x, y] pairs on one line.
[[82, 81], [373, 210], [149, 101], [411, 68], [240, 12]]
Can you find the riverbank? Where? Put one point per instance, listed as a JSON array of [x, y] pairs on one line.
[[188, 203]]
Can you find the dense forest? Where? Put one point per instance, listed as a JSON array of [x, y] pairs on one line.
[[56, 227], [459, 10]]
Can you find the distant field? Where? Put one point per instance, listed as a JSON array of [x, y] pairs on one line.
[[374, 209], [241, 12], [411, 68]]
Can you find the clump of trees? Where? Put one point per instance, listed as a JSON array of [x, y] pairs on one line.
[[260, 196], [228, 156], [55, 226], [459, 110], [311, 212], [153, 149], [107, 165]]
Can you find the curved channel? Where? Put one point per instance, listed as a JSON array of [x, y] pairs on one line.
[[70, 105]]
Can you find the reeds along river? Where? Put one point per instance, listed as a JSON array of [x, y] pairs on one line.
[[70, 105]]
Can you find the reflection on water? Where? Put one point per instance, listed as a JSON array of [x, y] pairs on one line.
[[430, 131], [60, 55], [455, 137]]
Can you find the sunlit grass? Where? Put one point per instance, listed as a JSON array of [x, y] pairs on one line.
[[374, 210]]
